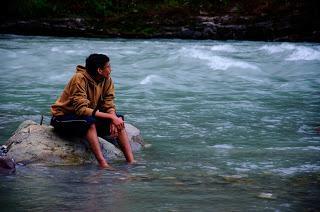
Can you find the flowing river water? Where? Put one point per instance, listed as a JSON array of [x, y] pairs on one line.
[[233, 125]]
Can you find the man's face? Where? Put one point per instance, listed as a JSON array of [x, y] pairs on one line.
[[106, 71]]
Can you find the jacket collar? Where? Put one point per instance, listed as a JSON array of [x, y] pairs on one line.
[[83, 70]]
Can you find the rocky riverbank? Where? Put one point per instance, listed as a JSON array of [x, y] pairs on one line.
[[268, 22], [225, 27]]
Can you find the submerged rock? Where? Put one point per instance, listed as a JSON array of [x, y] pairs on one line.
[[34, 143], [7, 165]]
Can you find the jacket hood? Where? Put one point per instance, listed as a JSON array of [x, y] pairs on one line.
[[81, 69]]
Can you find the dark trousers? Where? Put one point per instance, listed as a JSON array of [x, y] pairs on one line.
[[72, 124]]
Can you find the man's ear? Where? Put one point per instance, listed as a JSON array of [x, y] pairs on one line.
[[99, 71]]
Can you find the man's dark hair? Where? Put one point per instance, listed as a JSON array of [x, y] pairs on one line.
[[95, 61]]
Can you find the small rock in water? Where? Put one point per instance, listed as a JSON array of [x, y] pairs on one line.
[[3, 150], [7, 165], [266, 196]]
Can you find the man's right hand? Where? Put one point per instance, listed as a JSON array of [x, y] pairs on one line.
[[118, 122]]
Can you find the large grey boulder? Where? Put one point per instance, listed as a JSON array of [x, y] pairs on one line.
[[34, 143]]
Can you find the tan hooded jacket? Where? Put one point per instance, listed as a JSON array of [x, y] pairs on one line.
[[81, 95]]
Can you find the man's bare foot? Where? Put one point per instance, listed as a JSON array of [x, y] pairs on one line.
[[105, 165], [132, 162]]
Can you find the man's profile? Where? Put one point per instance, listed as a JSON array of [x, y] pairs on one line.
[[86, 107]]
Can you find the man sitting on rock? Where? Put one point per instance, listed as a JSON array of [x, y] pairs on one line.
[[86, 107]]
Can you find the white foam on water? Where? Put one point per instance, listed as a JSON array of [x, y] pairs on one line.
[[264, 195], [222, 146], [148, 79], [195, 53], [55, 49], [296, 52], [242, 170], [272, 49], [16, 67], [297, 169], [223, 48], [284, 85], [62, 50], [55, 77], [209, 167], [126, 52], [270, 120], [217, 62], [70, 51], [171, 168], [304, 53], [307, 148], [312, 148], [305, 129], [225, 126], [160, 136], [249, 166]]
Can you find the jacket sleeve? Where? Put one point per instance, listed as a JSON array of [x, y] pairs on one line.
[[79, 98], [108, 97]]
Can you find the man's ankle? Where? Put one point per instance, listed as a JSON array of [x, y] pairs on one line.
[[132, 161], [103, 164]]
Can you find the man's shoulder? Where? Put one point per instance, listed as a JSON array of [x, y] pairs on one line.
[[78, 75], [77, 78]]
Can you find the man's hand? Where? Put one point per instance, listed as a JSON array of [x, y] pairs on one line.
[[118, 122]]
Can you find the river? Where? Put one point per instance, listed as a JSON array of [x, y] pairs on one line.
[[233, 125]]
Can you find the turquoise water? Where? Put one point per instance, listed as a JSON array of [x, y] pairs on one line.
[[232, 125]]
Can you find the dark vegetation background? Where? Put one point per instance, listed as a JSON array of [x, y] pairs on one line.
[[291, 20]]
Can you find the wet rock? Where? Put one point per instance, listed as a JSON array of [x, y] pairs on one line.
[[236, 26], [7, 165], [197, 35], [186, 33], [33, 143], [209, 32]]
